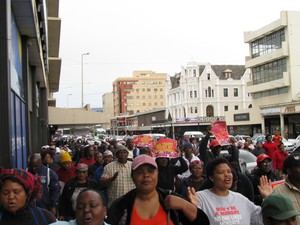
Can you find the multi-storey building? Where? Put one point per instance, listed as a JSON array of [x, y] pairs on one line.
[[274, 63], [202, 93], [145, 91], [30, 71]]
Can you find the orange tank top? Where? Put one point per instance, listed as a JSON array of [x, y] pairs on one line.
[[161, 218]]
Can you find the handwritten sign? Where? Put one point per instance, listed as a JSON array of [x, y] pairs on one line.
[[165, 148], [145, 141], [219, 130]]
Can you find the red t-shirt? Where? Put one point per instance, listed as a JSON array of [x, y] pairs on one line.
[[270, 148], [87, 161], [64, 175], [278, 158], [161, 218]]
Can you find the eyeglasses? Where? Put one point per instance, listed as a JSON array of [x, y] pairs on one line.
[[267, 163]]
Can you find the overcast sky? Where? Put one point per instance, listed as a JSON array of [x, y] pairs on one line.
[[160, 35]]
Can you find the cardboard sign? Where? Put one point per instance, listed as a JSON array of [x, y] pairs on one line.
[[166, 147], [145, 141], [219, 130], [276, 183]]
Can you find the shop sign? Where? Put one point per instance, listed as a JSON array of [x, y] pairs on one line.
[[241, 117], [290, 109], [270, 111]]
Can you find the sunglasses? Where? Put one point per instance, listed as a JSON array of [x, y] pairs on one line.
[[267, 163]]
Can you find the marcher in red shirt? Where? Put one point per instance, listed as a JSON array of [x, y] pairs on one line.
[[269, 146], [88, 158], [277, 138], [278, 158]]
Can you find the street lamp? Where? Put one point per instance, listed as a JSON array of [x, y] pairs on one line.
[[68, 100], [83, 54]]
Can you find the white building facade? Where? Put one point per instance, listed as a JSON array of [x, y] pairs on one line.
[[202, 93], [274, 62]]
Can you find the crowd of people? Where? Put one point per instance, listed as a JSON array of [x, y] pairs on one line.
[[71, 182]]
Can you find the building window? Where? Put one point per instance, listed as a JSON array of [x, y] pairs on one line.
[[191, 109], [143, 89], [205, 93], [225, 108], [144, 104], [196, 110], [225, 92], [235, 92], [161, 103], [155, 103], [209, 92], [148, 89], [269, 72], [137, 90], [191, 94], [155, 89], [194, 72], [149, 104], [149, 96], [143, 97], [236, 107], [161, 97], [208, 76], [160, 89], [212, 93], [137, 97], [155, 96], [195, 94], [267, 44], [209, 111]]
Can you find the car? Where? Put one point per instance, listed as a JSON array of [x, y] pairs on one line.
[[247, 160], [197, 134], [296, 140], [242, 138], [289, 145]]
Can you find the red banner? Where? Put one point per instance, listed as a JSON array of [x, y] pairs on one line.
[[166, 147], [219, 130], [143, 141]]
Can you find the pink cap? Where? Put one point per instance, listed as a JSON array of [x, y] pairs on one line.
[[141, 160], [107, 153]]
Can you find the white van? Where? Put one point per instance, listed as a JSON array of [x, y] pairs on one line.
[[197, 134]]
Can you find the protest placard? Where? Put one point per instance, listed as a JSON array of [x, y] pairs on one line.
[[145, 141], [219, 130], [166, 147]]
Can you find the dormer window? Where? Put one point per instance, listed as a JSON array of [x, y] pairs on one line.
[[227, 73]]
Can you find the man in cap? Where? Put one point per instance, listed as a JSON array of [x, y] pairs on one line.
[[278, 210], [49, 180], [117, 175], [291, 186], [264, 168], [207, 155]]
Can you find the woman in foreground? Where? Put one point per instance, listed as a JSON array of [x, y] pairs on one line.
[[224, 206], [149, 205], [90, 209]]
